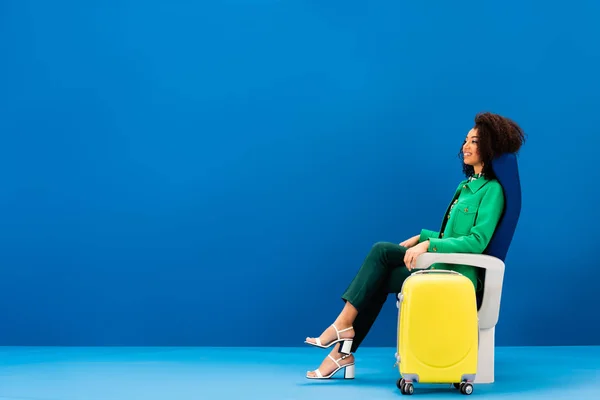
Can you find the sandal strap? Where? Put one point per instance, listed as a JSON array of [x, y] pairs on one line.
[[334, 360], [337, 331]]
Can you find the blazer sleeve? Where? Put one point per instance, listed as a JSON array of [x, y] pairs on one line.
[[427, 234], [488, 216]]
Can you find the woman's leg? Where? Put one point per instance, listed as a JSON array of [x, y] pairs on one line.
[[367, 316], [382, 272]]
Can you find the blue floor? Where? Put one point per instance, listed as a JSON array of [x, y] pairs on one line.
[[112, 373]]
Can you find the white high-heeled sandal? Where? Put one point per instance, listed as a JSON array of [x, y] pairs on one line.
[[346, 342], [349, 369]]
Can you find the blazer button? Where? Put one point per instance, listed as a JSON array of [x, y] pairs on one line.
[[435, 249], [466, 209]]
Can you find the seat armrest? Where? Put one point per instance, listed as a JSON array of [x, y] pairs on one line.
[[490, 306]]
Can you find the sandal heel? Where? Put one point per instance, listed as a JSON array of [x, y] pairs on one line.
[[346, 346], [349, 372]]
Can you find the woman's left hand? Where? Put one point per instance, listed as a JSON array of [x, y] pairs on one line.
[[410, 257]]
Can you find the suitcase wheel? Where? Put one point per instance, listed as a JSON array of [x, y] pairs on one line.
[[405, 388], [400, 383], [467, 389], [464, 387]]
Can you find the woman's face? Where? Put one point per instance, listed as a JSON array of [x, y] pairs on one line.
[[471, 149]]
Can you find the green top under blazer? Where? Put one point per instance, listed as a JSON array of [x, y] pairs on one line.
[[469, 223]]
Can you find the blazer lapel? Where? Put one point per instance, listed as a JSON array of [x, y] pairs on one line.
[[477, 184]]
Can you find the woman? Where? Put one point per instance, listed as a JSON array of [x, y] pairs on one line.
[[467, 228]]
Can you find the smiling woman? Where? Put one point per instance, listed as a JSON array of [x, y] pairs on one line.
[[467, 227], [470, 152]]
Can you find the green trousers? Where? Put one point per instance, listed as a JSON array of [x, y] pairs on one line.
[[382, 272]]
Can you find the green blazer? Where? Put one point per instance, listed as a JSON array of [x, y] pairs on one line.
[[469, 223]]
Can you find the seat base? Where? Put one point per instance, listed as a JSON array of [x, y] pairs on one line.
[[485, 361]]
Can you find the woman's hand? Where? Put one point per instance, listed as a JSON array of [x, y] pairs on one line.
[[408, 243], [410, 258]]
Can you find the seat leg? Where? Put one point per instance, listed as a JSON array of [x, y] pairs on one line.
[[485, 367]]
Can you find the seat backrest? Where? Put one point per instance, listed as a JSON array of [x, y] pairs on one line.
[[507, 172]]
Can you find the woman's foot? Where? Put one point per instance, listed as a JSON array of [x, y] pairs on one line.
[[329, 365], [332, 334]]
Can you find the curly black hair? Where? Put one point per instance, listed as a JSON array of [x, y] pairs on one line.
[[497, 135]]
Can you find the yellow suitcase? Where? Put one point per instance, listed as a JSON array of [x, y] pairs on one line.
[[438, 331]]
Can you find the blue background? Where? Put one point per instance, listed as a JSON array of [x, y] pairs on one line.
[[180, 173]]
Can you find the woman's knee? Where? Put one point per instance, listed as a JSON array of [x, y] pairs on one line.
[[388, 254], [381, 246], [379, 250]]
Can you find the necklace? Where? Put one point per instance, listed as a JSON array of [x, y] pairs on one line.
[[475, 177]]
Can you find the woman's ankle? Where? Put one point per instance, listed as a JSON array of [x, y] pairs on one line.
[[335, 353], [343, 323]]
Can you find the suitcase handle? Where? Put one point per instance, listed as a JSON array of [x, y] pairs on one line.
[[436, 271]]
